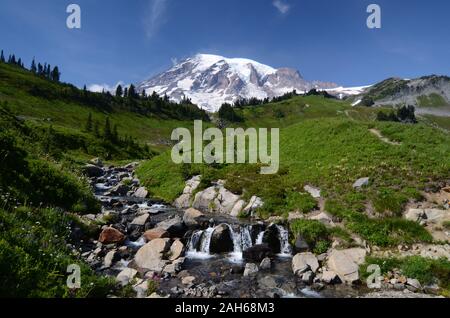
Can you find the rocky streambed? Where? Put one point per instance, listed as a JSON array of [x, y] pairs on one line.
[[158, 250]]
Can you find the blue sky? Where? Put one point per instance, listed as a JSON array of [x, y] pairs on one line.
[[326, 40]]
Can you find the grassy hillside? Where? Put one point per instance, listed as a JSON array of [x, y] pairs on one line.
[[44, 102], [328, 144]]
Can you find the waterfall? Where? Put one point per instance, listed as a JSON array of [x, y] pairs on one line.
[[284, 241], [199, 243], [259, 239], [246, 237]]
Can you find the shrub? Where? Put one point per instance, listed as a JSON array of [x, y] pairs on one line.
[[315, 234]]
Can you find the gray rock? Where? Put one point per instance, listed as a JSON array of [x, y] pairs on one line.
[[141, 193], [109, 259], [140, 220], [126, 276], [301, 246], [346, 263], [93, 171], [363, 182], [330, 277], [194, 218], [308, 277], [176, 250], [314, 192], [204, 200], [221, 240], [254, 204], [414, 283], [304, 262], [174, 226], [151, 255], [250, 269], [266, 264]]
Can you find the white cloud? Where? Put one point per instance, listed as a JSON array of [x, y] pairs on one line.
[[98, 88], [281, 6], [174, 61], [154, 16]]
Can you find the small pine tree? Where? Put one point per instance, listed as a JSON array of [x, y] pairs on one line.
[[96, 129], [115, 134], [55, 74], [132, 92], [107, 134], [40, 69], [89, 123], [2, 57], [19, 62], [119, 91], [33, 66], [125, 92]]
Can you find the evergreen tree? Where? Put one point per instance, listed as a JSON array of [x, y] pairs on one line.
[[115, 134], [40, 69], [48, 72], [2, 57], [89, 123], [107, 134], [119, 91], [96, 129], [125, 92], [19, 62], [33, 66], [132, 91], [55, 74]]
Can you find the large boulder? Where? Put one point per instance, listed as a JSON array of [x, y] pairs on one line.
[[204, 200], [257, 253], [150, 256], [174, 226], [184, 201], [156, 233], [193, 218], [110, 236], [345, 263], [221, 240], [225, 201], [93, 171], [176, 250], [304, 262], [272, 238], [254, 204]]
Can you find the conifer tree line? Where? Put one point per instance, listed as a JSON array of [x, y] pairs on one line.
[[44, 70], [110, 133]]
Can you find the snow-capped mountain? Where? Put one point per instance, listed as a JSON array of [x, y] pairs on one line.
[[211, 80]]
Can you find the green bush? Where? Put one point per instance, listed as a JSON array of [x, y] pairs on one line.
[[314, 232], [302, 202]]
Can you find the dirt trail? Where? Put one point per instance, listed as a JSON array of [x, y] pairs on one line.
[[384, 139]]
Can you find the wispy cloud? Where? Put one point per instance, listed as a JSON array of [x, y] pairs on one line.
[[98, 88], [281, 6], [154, 16]]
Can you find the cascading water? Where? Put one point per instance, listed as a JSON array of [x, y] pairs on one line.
[[284, 241], [199, 244]]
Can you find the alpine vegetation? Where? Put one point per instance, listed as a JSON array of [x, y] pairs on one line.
[[189, 150]]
